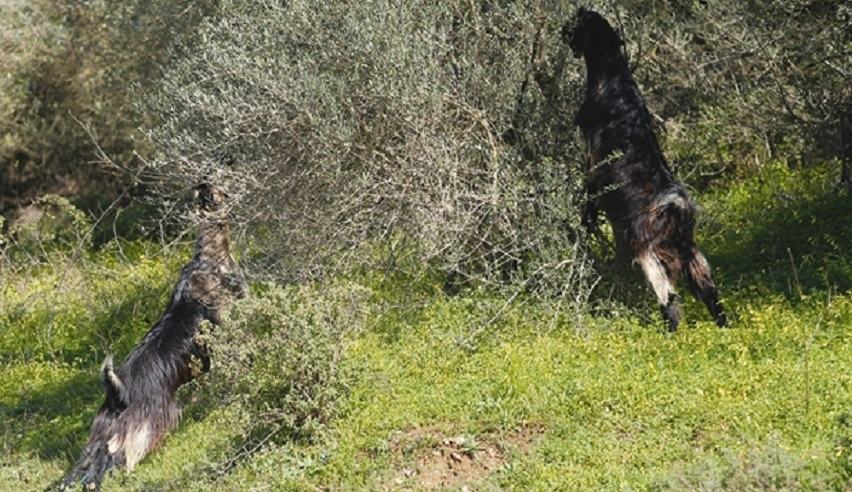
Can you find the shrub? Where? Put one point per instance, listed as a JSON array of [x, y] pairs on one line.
[[760, 469], [276, 358], [69, 69], [737, 84], [408, 129], [447, 129], [50, 224], [56, 220]]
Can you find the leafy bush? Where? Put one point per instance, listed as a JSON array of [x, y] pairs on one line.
[[446, 129], [737, 84], [69, 69], [277, 356], [760, 469], [53, 224], [443, 129], [411, 129]]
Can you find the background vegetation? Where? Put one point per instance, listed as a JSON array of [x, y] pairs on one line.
[[405, 180], [70, 71]]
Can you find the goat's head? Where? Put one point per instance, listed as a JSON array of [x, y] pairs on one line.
[[209, 198], [589, 32]]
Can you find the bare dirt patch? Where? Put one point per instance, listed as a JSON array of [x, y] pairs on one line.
[[430, 459]]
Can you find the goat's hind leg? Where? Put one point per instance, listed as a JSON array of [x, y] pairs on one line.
[[696, 270], [663, 285]]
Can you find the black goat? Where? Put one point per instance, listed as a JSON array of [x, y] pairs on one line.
[[629, 179], [140, 406]]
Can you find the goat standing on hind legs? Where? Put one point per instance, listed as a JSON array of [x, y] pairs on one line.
[[140, 406], [650, 212]]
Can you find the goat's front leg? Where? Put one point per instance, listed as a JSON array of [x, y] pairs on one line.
[[590, 214]]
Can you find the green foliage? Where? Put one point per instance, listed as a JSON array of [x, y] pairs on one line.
[[54, 224], [69, 69], [761, 469], [278, 353], [737, 84], [353, 382], [782, 230], [843, 447], [388, 144], [448, 127], [382, 123]]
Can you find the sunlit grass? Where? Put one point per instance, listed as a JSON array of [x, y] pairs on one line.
[[615, 405]]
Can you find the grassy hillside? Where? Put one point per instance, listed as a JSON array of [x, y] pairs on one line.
[[434, 398]]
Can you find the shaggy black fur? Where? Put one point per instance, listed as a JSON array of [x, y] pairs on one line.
[[629, 179], [140, 406]]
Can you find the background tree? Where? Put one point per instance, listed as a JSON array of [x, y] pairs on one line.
[[71, 65]]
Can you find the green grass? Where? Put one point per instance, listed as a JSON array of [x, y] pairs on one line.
[[617, 407], [540, 402]]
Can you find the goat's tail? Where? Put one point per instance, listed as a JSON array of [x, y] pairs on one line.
[[696, 271], [96, 459], [116, 391]]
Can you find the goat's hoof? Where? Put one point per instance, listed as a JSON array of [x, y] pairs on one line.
[[671, 314]]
